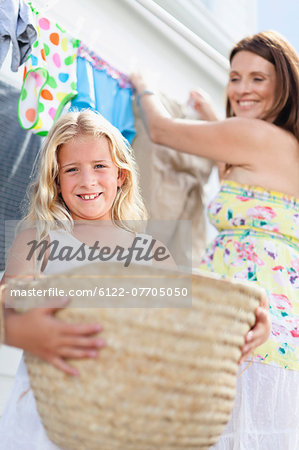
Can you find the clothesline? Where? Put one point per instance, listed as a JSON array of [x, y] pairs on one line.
[[100, 64]]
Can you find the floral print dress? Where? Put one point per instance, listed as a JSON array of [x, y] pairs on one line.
[[258, 241]]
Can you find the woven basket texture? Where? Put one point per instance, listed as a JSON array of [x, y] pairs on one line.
[[166, 379]]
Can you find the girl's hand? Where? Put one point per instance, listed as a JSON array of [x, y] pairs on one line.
[[259, 333], [39, 332], [201, 102]]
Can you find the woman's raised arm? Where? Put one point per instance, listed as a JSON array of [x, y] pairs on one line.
[[236, 141]]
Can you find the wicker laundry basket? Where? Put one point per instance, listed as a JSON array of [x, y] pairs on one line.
[[166, 379]]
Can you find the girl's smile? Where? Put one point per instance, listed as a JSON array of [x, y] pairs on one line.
[[89, 196], [88, 178]]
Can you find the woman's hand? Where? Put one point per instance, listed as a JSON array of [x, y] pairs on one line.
[[39, 332], [260, 331], [139, 82], [201, 102]]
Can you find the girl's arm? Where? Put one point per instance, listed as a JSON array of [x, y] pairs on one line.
[[38, 331]]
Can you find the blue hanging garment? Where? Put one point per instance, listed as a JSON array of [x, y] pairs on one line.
[[106, 90], [85, 97]]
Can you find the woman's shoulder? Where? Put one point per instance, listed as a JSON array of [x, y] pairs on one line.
[[251, 125], [261, 134]]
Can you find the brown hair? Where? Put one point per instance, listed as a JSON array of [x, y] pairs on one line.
[[275, 49]]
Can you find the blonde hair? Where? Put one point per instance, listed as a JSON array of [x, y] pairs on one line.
[[47, 209]]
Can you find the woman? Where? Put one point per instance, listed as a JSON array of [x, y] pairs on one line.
[[257, 215]]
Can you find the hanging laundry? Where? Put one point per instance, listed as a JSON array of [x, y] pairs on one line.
[[172, 186], [103, 88], [49, 77], [16, 27]]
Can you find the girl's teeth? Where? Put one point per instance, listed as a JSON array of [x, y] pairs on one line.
[[89, 197]]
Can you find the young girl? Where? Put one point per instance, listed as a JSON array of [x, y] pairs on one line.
[[87, 190], [256, 213]]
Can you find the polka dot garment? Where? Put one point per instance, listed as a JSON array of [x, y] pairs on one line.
[[49, 77]]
